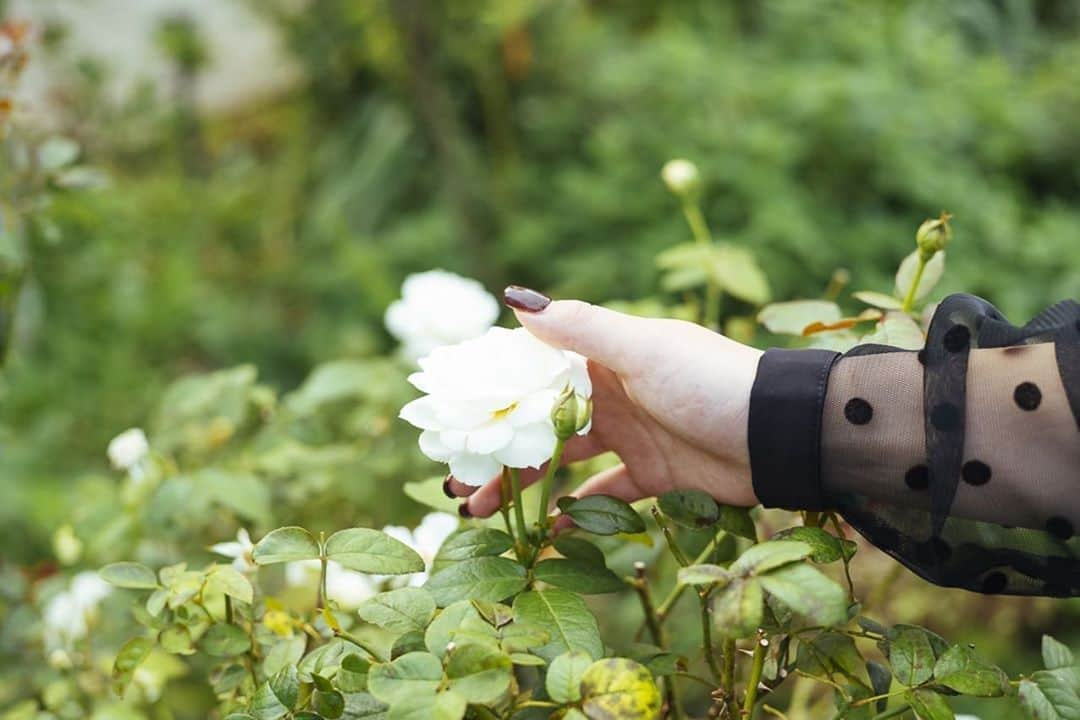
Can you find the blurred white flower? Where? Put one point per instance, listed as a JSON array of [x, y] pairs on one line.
[[681, 176], [239, 551], [68, 615], [426, 540], [127, 449], [489, 402], [439, 308], [345, 587]]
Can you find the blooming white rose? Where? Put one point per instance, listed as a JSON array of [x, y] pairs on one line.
[[439, 308], [426, 540], [127, 449], [240, 551], [68, 614], [345, 587], [489, 402]]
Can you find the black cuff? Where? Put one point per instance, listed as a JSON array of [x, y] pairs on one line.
[[785, 427]]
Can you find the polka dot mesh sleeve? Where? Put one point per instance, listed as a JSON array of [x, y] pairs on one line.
[[961, 460]]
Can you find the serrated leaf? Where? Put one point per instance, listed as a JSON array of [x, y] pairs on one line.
[[283, 653], [411, 675], [690, 508], [1047, 697], [287, 544], [619, 688], [602, 514], [265, 705], [447, 624], [472, 543], [223, 640], [928, 705], [791, 318], [479, 674], [285, 685], [738, 609], [960, 669], [563, 681], [826, 548], [485, 578], [229, 581], [566, 619], [578, 576], [911, 657], [132, 576], [1055, 654], [403, 610], [808, 592], [370, 551], [768, 555]]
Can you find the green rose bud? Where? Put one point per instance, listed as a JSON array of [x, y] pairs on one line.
[[681, 177], [933, 235], [571, 414]]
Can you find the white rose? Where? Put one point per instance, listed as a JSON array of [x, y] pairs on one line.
[[68, 614], [128, 448], [489, 402], [439, 308], [426, 540], [240, 551]]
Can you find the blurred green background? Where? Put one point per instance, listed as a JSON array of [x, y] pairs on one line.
[[515, 141]]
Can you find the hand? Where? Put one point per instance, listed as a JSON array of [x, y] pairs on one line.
[[670, 398]]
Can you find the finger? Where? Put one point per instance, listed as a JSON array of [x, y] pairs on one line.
[[616, 481], [454, 489], [611, 338], [488, 498]]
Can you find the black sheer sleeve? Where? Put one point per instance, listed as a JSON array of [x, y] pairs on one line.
[[961, 460]]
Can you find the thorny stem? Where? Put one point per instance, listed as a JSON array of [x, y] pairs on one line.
[[761, 646], [519, 511], [706, 636], [641, 585], [727, 676], [698, 226], [545, 486]]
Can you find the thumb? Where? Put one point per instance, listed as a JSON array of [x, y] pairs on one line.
[[610, 338]]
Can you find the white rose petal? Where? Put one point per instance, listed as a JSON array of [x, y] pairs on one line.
[[128, 448], [439, 308], [68, 614], [489, 401], [240, 551]]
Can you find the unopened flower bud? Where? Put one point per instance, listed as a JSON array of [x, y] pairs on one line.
[[681, 177], [571, 414], [60, 660], [933, 235]]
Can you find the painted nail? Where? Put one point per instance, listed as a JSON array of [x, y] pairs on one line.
[[446, 487], [463, 510], [522, 298]]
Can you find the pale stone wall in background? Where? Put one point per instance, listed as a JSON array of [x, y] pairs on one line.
[[246, 57]]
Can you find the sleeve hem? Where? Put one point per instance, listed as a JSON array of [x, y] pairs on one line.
[[784, 432]]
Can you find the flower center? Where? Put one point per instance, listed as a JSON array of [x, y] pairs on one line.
[[500, 414]]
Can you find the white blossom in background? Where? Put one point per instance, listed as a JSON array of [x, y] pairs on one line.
[[68, 615], [489, 400], [240, 551], [439, 308], [128, 449], [426, 540], [347, 588]]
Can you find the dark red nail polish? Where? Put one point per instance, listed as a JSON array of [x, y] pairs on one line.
[[446, 488], [522, 298], [463, 510]]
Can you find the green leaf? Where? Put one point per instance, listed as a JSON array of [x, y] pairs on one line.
[[739, 274], [769, 555], [619, 688], [352, 677], [1046, 696], [287, 544], [1055, 654], [323, 660], [361, 706], [807, 592], [472, 543], [896, 329], [790, 318], [963, 671], [880, 681], [176, 640], [575, 548], [878, 299], [370, 551], [329, 704], [283, 653], [411, 675], [911, 657], [223, 640], [738, 609], [830, 653], [737, 521], [563, 681], [128, 658], [229, 581], [412, 641], [578, 576], [565, 617], [602, 514], [690, 508], [129, 575], [447, 625], [400, 611], [705, 575], [444, 706], [825, 547], [285, 685], [485, 578], [905, 275], [479, 674], [265, 705], [928, 705], [429, 493]]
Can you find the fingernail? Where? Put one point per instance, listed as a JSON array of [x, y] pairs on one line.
[[446, 488], [522, 298], [463, 510]]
